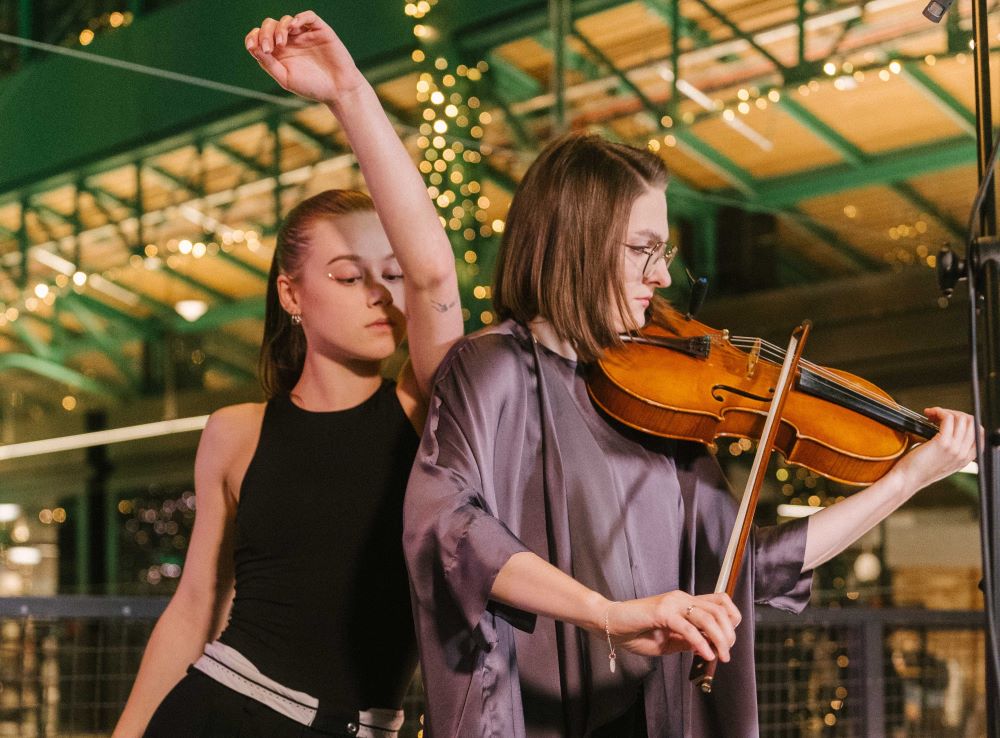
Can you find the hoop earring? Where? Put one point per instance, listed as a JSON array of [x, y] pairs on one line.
[[296, 319]]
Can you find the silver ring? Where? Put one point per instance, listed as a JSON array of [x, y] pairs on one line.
[[687, 613]]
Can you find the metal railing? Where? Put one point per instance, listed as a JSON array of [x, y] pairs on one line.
[[67, 664]]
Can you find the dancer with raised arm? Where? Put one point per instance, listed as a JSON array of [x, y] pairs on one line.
[[293, 606]]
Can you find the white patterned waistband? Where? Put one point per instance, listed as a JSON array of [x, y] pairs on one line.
[[232, 669]]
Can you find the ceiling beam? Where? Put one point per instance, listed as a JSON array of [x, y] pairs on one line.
[[857, 158], [940, 98], [741, 34], [220, 315], [824, 132], [242, 265], [885, 168], [111, 347], [237, 157], [860, 260], [57, 373], [194, 282], [133, 327]]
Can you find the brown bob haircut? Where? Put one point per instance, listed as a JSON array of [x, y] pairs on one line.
[[560, 256]]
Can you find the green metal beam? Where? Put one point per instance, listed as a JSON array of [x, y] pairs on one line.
[[136, 328], [511, 81], [41, 208], [239, 158], [574, 60], [687, 140], [195, 283], [173, 179], [36, 345], [100, 193], [54, 101], [854, 156], [240, 264], [668, 10], [220, 315], [888, 168], [57, 373], [102, 337], [472, 26], [525, 139], [23, 243], [651, 107], [850, 153], [235, 371], [861, 260], [325, 143], [948, 104], [741, 34], [722, 165], [499, 178], [930, 208]]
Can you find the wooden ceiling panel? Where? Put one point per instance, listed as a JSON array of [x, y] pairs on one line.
[[879, 114], [690, 170], [795, 148]]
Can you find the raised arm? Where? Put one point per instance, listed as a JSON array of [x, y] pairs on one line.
[[305, 56], [833, 529]]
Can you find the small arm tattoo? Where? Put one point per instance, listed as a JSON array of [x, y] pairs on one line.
[[443, 307]]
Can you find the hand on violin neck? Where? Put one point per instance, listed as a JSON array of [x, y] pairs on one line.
[[674, 622], [833, 529], [952, 449]]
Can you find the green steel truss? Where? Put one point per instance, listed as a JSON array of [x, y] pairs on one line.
[[158, 116]]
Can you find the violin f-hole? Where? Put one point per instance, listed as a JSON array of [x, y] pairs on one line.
[[718, 388]]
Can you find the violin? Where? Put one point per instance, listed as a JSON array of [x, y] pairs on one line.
[[679, 378]]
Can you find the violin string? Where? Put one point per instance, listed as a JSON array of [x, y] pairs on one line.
[[866, 395], [776, 353]]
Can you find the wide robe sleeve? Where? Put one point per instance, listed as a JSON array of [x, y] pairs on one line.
[[454, 540]]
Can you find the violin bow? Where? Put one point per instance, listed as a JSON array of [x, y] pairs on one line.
[[703, 672]]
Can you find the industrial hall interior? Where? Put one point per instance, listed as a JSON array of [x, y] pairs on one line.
[[823, 159]]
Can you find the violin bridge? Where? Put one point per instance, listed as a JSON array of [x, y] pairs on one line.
[[753, 358]]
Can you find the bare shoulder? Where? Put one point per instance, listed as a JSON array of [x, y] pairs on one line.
[[228, 444], [234, 426]]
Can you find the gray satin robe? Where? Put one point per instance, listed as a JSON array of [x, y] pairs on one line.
[[511, 462]]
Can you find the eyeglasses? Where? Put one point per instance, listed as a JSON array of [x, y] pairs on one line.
[[653, 253]]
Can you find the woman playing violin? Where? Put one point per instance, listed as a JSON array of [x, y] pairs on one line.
[[557, 558]]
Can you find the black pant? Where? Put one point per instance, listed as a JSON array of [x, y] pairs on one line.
[[630, 724], [200, 707]]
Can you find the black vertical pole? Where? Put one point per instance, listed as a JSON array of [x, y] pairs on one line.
[[97, 493], [988, 287]]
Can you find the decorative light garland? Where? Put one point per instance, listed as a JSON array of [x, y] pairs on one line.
[[450, 131]]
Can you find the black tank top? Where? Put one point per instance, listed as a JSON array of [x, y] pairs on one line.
[[322, 598]]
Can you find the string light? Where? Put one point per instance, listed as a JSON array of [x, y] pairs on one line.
[[453, 124]]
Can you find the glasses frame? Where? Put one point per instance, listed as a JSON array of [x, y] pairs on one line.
[[654, 252]]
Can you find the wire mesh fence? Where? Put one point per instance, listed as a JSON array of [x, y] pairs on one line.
[[67, 664]]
